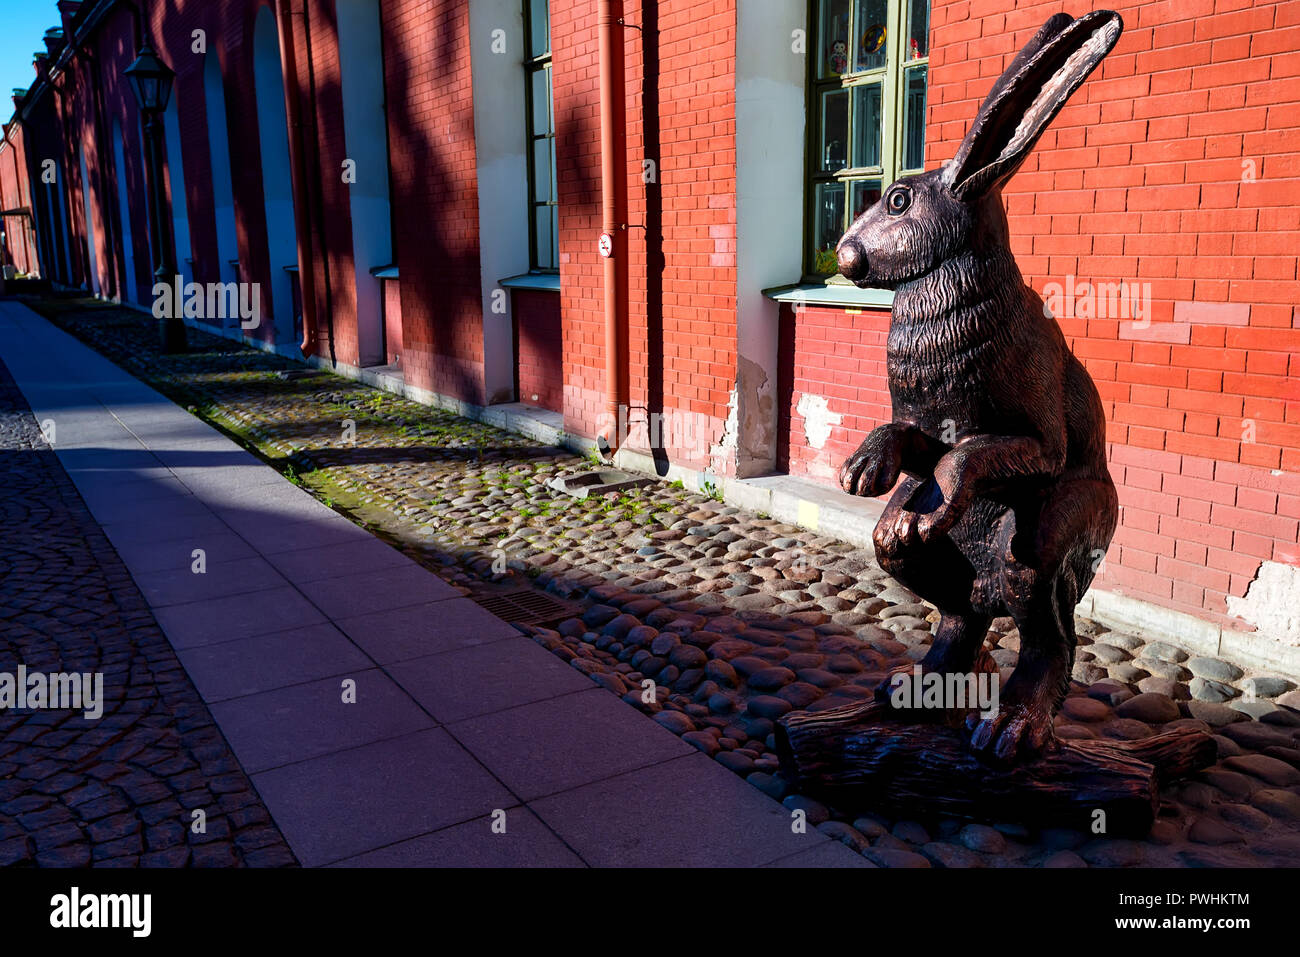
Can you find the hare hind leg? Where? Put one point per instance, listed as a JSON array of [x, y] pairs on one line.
[[1042, 582], [940, 573], [957, 649], [936, 570]]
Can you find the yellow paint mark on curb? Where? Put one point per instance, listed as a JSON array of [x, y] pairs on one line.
[[808, 513]]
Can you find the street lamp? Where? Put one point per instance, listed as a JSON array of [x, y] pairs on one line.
[[151, 81]]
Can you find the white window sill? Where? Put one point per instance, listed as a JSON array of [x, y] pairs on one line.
[[544, 281], [832, 294]]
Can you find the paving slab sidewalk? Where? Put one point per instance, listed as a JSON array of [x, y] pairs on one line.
[[117, 789], [383, 718]]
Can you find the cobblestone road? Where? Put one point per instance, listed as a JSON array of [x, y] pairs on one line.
[[738, 618], [120, 790]]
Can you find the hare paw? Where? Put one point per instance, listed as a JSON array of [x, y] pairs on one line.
[[1016, 731], [873, 469], [938, 523], [897, 532]]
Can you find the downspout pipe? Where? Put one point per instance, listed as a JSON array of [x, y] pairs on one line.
[[298, 168], [613, 191]]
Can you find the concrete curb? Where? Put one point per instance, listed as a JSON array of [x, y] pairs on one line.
[[1249, 650]]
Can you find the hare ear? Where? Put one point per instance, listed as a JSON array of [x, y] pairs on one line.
[[1027, 97]]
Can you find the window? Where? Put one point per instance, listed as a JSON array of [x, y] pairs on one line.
[[542, 225], [866, 112]]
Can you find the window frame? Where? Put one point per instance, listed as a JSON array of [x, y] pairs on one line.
[[533, 64], [892, 78]]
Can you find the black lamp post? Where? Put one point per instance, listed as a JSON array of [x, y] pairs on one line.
[[151, 81]]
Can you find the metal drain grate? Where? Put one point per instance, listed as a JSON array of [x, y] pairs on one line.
[[526, 606]]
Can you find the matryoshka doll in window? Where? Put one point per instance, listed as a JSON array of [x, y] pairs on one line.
[[839, 58]]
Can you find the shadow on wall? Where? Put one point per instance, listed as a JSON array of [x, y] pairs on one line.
[[440, 285], [213, 193], [654, 239]]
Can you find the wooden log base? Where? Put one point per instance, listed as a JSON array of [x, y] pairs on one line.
[[866, 756]]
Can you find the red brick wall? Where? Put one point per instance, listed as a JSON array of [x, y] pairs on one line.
[[392, 320], [691, 363], [74, 116], [79, 122], [41, 140], [432, 159], [174, 26], [539, 347], [19, 231], [433, 171], [335, 201], [228, 26], [840, 357], [1141, 179], [686, 308]]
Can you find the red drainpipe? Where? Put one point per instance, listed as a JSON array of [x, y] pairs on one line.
[[297, 166], [613, 191]]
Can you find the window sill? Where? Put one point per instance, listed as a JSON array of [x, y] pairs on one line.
[[832, 294], [543, 281]]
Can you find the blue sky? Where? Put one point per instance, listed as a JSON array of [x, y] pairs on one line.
[[22, 24]]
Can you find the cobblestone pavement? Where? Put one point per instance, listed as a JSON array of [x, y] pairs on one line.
[[738, 618], [119, 790]]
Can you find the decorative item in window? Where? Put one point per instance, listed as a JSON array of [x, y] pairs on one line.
[[873, 40], [918, 28], [833, 37], [839, 57], [825, 263]]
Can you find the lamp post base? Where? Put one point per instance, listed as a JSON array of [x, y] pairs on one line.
[[171, 333]]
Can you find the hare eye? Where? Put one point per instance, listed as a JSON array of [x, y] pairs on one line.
[[899, 200]]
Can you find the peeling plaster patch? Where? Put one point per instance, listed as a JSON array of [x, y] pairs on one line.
[[818, 419], [1272, 602], [721, 452]]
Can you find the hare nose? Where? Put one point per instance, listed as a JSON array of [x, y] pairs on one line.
[[852, 260]]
